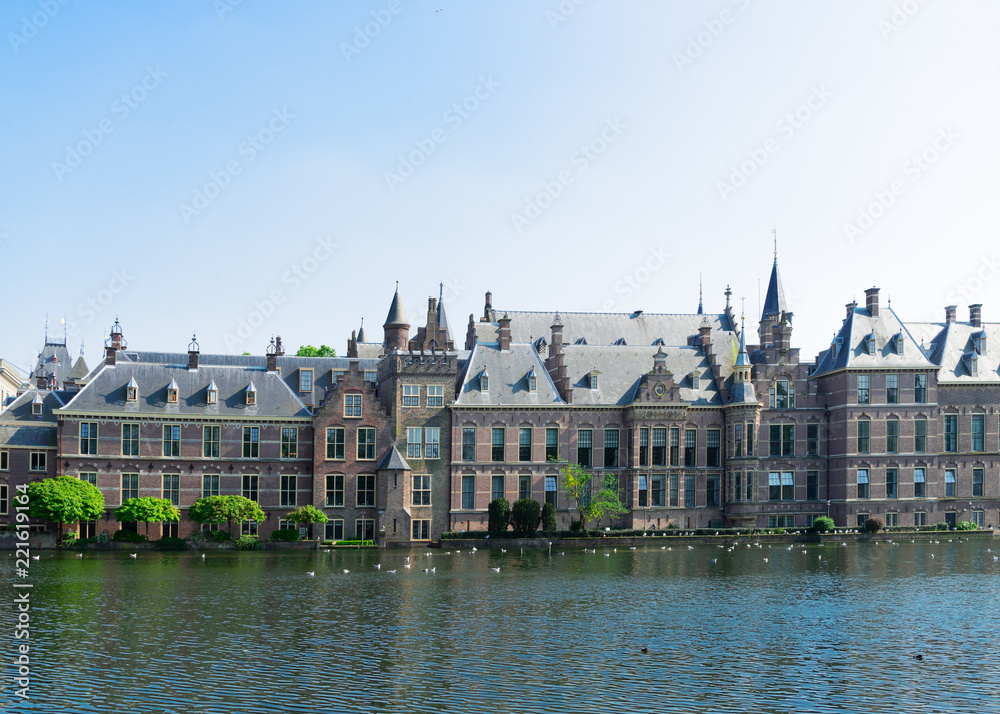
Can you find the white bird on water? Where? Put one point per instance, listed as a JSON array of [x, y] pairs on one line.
[[133, 555], [495, 570], [407, 565], [79, 555], [503, 550], [310, 572], [202, 555], [378, 566], [36, 557], [346, 571]]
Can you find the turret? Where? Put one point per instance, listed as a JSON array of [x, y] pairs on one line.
[[396, 328]]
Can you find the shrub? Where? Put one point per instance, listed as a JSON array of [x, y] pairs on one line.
[[219, 537], [823, 524], [171, 543], [525, 514], [285, 534], [966, 526], [128, 537], [549, 518], [247, 542], [942, 526], [69, 536], [874, 525], [499, 518], [576, 527]]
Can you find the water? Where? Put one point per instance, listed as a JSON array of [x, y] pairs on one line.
[[820, 629]]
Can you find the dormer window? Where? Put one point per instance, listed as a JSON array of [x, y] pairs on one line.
[[212, 395], [658, 342], [979, 342], [132, 390], [594, 382], [694, 379], [484, 381], [532, 381], [897, 343], [971, 360], [251, 395], [870, 343], [621, 341], [172, 392], [36, 405], [305, 380], [582, 341]]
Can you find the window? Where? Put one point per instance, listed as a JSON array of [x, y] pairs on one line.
[[37, 461], [209, 485], [210, 437], [920, 436], [497, 487], [675, 499], [524, 443], [334, 529], [920, 389], [289, 490], [469, 443], [366, 444], [411, 395], [689, 493], [643, 490], [497, 450], [289, 442], [435, 395], [978, 432], [863, 391], [712, 490], [690, 447], [892, 519], [920, 518], [891, 436], [611, 437], [919, 483], [781, 521], [132, 391], [335, 490], [736, 490], [949, 483], [977, 483], [88, 437], [951, 432], [414, 442], [892, 389], [675, 447], [782, 439], [891, 483], [4, 461], [130, 439], [532, 382], [432, 442], [468, 491], [172, 488], [305, 380], [524, 486], [248, 528], [89, 476], [864, 436], [750, 485], [172, 440], [335, 438], [251, 395], [812, 485], [979, 518], [352, 405], [251, 486], [421, 489], [812, 439], [659, 490], [171, 395], [130, 486], [750, 439], [738, 440], [782, 395], [585, 448], [212, 394], [484, 382], [4, 499], [781, 486], [420, 529], [36, 405], [251, 442], [713, 449], [863, 491], [593, 380], [366, 490], [552, 444], [644, 446]]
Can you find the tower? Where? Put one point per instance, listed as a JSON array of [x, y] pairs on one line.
[[396, 328]]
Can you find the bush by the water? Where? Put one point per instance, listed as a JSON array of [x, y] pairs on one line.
[[285, 534], [128, 537], [499, 515], [218, 537], [549, 518], [171, 543], [525, 514], [966, 526], [247, 542], [823, 524], [874, 525]]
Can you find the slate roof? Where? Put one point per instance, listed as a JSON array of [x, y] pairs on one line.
[[27, 435], [393, 461], [774, 301], [396, 316], [20, 409], [53, 359], [852, 351], [80, 370], [507, 372], [947, 344]]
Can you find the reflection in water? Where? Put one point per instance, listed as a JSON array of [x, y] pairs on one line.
[[821, 628]]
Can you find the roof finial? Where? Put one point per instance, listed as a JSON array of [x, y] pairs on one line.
[[774, 232], [441, 293], [46, 328], [65, 330], [701, 309]]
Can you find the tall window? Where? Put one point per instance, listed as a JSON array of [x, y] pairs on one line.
[[891, 483], [366, 444], [978, 432], [130, 486], [644, 445], [920, 518], [690, 447], [812, 439], [585, 448], [951, 432], [864, 436], [497, 443], [497, 488], [251, 487], [524, 486], [863, 491], [782, 395], [643, 490], [4, 499], [414, 442], [863, 389], [468, 491], [305, 380], [335, 439], [88, 437], [172, 440], [209, 485], [411, 395], [289, 490], [37, 461], [551, 444], [919, 484], [251, 442], [352, 405], [4, 461], [335, 490], [689, 492], [289, 442], [750, 438], [421, 489], [432, 442], [920, 388], [738, 440], [435, 395], [210, 439], [130, 439], [550, 490], [366, 489], [713, 448], [920, 436], [420, 529], [712, 490], [524, 443], [892, 389], [172, 488], [750, 485], [469, 443], [611, 448], [782, 439], [949, 483], [781, 486], [736, 493], [659, 447], [812, 485], [675, 499], [892, 436], [977, 483], [675, 447]]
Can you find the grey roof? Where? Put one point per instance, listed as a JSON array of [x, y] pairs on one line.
[[442, 317], [28, 435], [361, 332], [947, 345], [507, 372], [370, 350], [106, 392], [54, 359], [396, 316], [80, 370], [852, 351], [393, 461], [20, 409], [774, 301]]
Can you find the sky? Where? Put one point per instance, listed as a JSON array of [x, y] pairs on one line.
[[242, 169]]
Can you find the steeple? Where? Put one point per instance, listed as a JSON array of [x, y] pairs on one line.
[[361, 332], [396, 328], [774, 301], [396, 316], [701, 309], [743, 391], [442, 318]]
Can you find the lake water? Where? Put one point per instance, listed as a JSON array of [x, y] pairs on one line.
[[817, 629]]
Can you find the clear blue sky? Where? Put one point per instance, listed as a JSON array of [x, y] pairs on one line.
[[202, 165]]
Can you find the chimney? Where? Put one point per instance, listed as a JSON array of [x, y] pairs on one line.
[[976, 315], [193, 351], [505, 334], [488, 308], [871, 301], [352, 344], [110, 352], [705, 338], [432, 314], [272, 356], [555, 362], [278, 349], [850, 308], [949, 313]]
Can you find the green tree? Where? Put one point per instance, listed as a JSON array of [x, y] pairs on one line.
[[225, 509], [591, 506], [307, 514], [525, 514], [321, 351], [607, 502], [147, 509], [549, 518], [64, 500], [499, 515]]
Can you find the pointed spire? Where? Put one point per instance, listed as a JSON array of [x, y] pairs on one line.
[[774, 301], [701, 309], [396, 316], [442, 316], [361, 332], [743, 359]]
